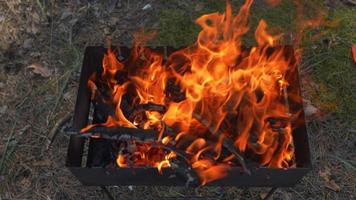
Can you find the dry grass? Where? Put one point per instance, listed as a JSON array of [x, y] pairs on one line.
[[55, 35]]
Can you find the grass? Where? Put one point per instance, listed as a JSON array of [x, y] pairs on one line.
[[49, 93], [332, 66], [336, 73], [175, 28]]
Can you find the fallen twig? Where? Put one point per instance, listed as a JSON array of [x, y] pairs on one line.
[[54, 131]]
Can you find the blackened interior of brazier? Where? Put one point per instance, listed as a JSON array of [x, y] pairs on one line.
[[103, 152]]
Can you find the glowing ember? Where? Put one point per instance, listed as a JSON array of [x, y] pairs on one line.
[[206, 98]]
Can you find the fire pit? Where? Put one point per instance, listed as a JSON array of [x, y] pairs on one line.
[[213, 113], [94, 174]]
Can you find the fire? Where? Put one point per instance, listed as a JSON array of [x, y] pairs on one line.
[[227, 93]]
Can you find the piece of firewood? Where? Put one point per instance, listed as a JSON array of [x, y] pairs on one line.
[[184, 171], [120, 133], [147, 107], [226, 142]]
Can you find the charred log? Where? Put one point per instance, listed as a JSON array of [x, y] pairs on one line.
[[147, 107], [226, 142], [120, 133], [181, 165], [174, 91], [185, 172]]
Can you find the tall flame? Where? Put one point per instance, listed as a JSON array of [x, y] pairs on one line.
[[229, 92]]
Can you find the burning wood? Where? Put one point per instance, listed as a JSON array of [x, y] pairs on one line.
[[183, 170], [152, 105], [120, 133], [226, 142], [147, 107]]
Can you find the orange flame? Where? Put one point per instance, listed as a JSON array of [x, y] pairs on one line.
[[228, 92]]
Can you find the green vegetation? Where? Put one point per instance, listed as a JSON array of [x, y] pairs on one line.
[[175, 28], [177, 25], [334, 69]]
